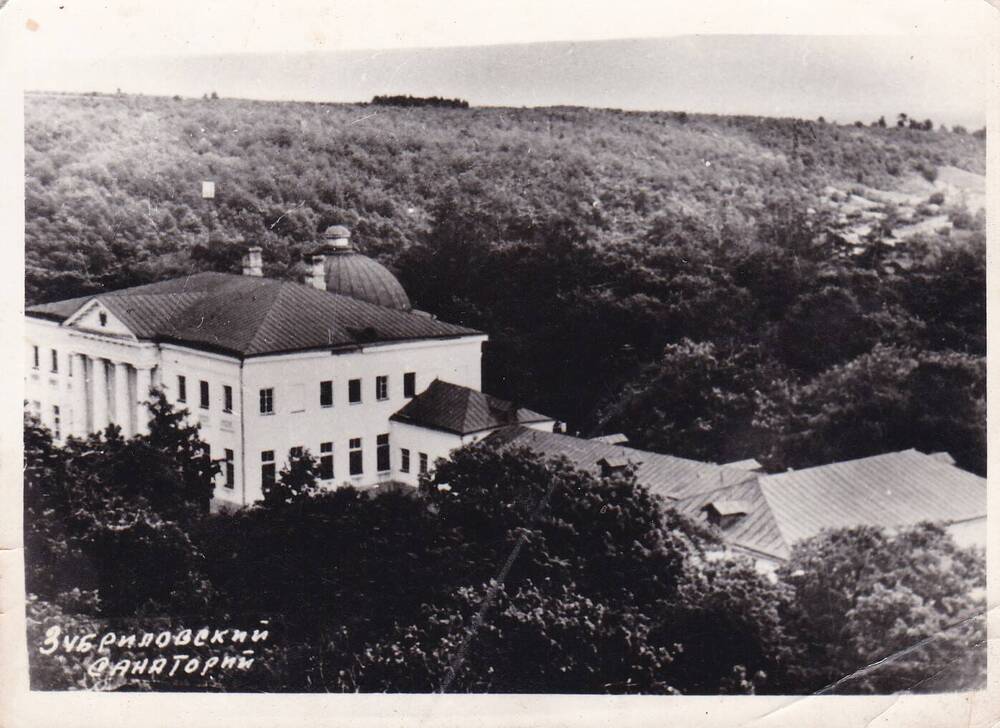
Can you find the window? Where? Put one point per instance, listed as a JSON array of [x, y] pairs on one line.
[[182, 389], [204, 394], [230, 470], [382, 452], [267, 401], [267, 468], [56, 422], [103, 318], [227, 398], [326, 393], [354, 391], [35, 357], [382, 388], [356, 457], [55, 361], [295, 452], [404, 460], [409, 384], [326, 461], [423, 462]]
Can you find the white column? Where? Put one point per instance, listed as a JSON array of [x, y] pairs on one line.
[[79, 394], [143, 381], [99, 394], [123, 403]]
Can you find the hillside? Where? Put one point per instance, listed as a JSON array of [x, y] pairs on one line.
[[113, 184], [707, 284]]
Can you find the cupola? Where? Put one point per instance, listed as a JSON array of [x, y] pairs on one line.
[[337, 266]]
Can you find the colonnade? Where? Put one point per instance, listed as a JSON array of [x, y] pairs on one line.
[[106, 391]]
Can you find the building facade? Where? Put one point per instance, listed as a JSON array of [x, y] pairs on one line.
[[262, 366]]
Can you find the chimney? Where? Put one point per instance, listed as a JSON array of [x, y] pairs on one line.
[[253, 262], [317, 273]]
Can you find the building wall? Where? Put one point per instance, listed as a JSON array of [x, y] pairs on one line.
[[435, 443], [221, 430], [44, 389], [970, 533], [300, 421]]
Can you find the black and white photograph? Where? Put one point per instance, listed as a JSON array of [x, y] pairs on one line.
[[536, 349]]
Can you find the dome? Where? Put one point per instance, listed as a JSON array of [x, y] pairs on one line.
[[358, 276], [353, 274]]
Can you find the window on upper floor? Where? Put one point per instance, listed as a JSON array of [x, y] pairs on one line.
[[409, 384], [103, 318], [55, 361], [356, 457], [35, 357], [296, 452], [326, 461], [354, 391], [203, 391], [326, 393], [423, 462], [227, 398], [381, 387], [56, 422], [382, 455], [230, 469], [267, 472], [404, 460], [182, 388], [267, 401]]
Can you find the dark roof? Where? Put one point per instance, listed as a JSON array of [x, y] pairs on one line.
[[353, 274], [250, 315], [463, 411], [666, 475], [891, 490]]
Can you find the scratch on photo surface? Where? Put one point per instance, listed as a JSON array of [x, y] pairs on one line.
[[495, 585]]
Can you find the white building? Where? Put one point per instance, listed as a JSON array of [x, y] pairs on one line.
[[265, 366]]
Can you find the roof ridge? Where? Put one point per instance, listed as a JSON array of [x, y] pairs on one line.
[[279, 289], [770, 509], [466, 394]]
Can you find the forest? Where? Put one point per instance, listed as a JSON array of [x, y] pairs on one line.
[[714, 287], [505, 573]]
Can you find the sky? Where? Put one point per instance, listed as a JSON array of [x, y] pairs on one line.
[[930, 51], [126, 28]]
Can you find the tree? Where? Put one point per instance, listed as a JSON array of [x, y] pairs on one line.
[[297, 479], [871, 612], [572, 583], [698, 401], [109, 517], [887, 400]]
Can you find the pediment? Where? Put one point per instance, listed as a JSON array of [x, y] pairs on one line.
[[95, 317]]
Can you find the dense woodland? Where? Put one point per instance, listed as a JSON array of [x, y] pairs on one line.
[[505, 573], [670, 275]]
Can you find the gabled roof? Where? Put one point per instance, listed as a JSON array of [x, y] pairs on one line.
[[463, 411], [666, 475], [250, 316], [891, 490]]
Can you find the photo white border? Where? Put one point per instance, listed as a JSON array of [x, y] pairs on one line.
[[21, 707]]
